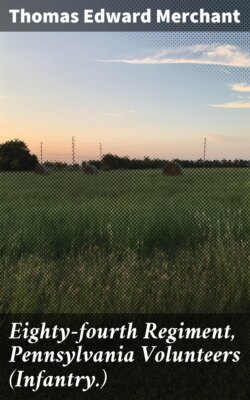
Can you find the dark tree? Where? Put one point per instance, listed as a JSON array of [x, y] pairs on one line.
[[109, 161], [15, 156], [112, 162]]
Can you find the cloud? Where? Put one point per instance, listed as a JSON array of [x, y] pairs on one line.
[[118, 112], [226, 139], [2, 97], [233, 104], [110, 114], [240, 87], [132, 111], [226, 55]]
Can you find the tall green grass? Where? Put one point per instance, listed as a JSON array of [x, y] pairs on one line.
[[125, 241]]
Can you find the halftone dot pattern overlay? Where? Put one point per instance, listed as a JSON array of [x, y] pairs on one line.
[[169, 239], [116, 239], [153, 42], [131, 237]]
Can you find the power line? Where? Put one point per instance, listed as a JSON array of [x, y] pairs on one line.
[[100, 151], [205, 149], [73, 150], [41, 153]]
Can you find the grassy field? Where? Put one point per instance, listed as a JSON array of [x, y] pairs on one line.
[[125, 241]]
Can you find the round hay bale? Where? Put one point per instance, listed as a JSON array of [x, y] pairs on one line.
[[41, 169], [172, 168], [90, 169]]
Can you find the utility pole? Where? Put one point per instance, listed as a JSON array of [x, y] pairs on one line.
[[41, 153], [100, 151], [205, 150], [73, 150]]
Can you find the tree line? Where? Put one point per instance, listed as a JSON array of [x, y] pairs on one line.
[[16, 156], [114, 162]]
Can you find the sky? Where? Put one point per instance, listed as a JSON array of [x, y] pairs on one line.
[[138, 94]]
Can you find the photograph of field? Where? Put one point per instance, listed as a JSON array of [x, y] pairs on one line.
[[166, 230], [134, 241]]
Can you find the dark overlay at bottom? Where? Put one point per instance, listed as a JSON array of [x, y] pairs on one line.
[[125, 356]]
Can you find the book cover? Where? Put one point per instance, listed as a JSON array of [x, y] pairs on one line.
[[124, 199]]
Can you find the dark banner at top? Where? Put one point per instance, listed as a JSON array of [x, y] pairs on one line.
[[124, 15]]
